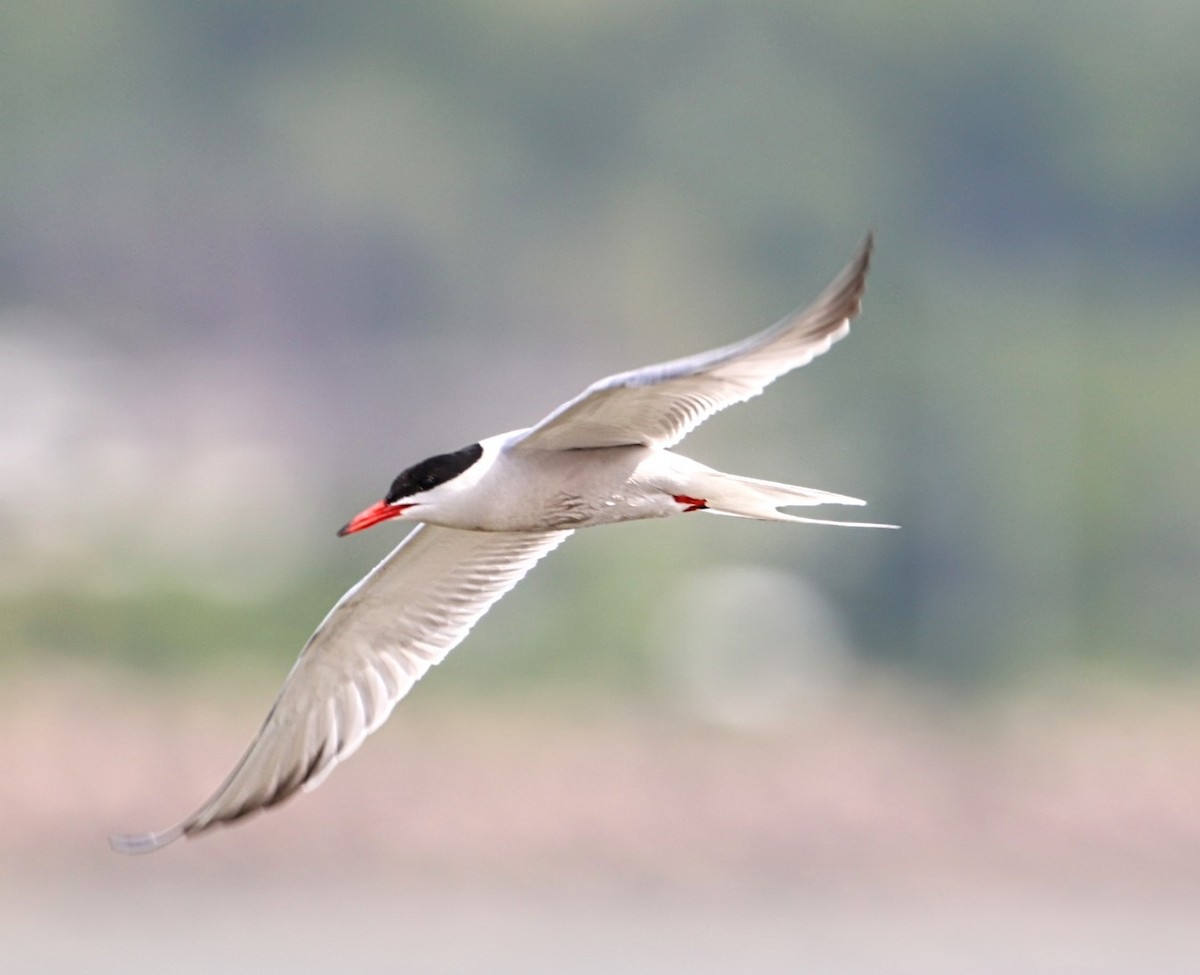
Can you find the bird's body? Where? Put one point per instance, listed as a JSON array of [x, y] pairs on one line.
[[516, 492], [510, 490], [487, 514]]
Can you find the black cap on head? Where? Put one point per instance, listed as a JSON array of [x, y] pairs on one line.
[[430, 473]]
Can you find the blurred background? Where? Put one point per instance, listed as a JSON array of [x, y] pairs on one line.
[[257, 257]]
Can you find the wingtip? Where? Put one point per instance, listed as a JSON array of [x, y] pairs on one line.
[[863, 259], [133, 844], [843, 295]]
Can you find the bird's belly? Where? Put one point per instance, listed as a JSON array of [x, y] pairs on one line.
[[569, 510], [579, 488]]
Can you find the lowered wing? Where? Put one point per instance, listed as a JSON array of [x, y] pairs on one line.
[[404, 617]]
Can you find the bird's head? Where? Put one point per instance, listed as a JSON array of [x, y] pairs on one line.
[[415, 487]]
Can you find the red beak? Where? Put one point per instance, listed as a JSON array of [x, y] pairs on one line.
[[380, 511]]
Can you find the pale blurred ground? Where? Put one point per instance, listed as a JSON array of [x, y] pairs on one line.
[[881, 832]]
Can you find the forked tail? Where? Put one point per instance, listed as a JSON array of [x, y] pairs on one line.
[[749, 497]]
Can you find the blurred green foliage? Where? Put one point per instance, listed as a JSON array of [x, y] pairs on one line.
[[375, 218]]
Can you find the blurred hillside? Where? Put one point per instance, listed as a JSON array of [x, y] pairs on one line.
[[258, 257]]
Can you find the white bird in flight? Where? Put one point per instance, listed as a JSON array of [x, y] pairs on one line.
[[487, 513]]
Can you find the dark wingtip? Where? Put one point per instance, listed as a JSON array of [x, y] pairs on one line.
[[842, 297], [862, 260]]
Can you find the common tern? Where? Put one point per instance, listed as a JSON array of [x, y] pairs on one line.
[[487, 513]]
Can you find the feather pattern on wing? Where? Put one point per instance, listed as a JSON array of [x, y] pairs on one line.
[[380, 638], [658, 405]]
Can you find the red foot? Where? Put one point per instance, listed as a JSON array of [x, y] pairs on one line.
[[692, 504]]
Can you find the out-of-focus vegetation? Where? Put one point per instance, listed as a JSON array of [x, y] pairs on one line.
[[259, 256]]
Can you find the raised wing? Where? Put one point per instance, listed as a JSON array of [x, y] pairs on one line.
[[380, 638], [658, 405]]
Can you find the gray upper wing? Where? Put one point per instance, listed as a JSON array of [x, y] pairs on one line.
[[658, 405], [380, 638]]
